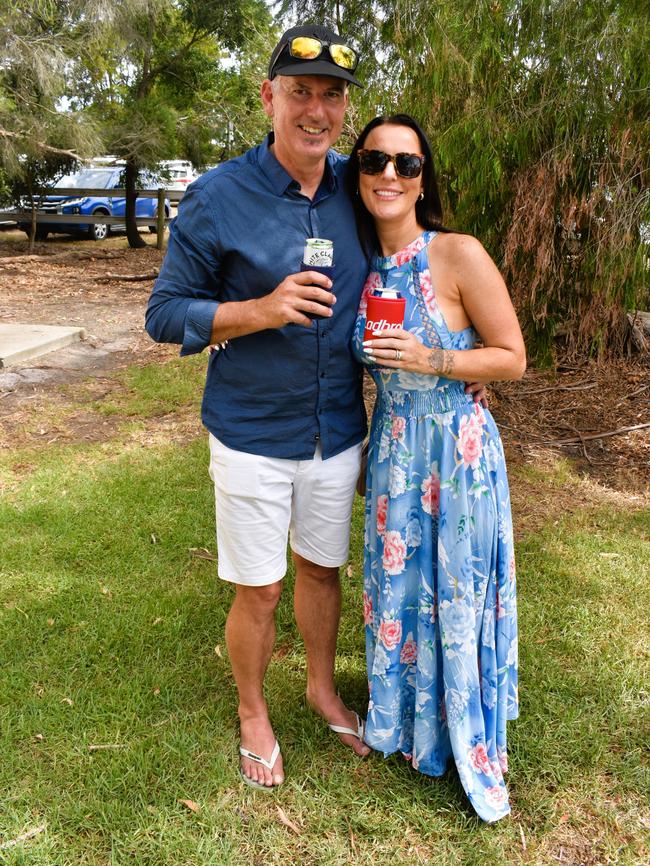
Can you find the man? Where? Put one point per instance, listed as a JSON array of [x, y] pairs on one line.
[[282, 399]]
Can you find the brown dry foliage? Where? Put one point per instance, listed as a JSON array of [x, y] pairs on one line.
[[569, 255]]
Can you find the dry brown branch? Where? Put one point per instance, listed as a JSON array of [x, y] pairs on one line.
[[202, 553], [633, 394], [79, 255], [580, 387], [29, 834], [575, 440], [5, 133], [127, 278]]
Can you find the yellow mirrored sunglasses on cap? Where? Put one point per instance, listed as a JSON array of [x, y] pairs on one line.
[[309, 48]]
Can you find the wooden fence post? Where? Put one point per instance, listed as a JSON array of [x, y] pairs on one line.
[[161, 218]]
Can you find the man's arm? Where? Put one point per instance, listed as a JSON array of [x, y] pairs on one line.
[[184, 299], [184, 305]]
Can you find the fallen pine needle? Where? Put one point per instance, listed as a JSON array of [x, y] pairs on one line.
[[202, 553], [523, 838], [98, 747], [288, 822], [29, 834]]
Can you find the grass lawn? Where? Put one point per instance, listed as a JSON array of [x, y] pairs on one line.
[[117, 704]]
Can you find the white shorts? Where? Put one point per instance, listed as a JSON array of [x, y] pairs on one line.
[[261, 501]]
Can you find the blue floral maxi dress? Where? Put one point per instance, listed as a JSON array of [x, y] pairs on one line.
[[439, 573]]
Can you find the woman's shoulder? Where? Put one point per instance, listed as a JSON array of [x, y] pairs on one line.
[[456, 244]]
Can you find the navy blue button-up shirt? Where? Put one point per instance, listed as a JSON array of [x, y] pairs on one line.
[[239, 232]]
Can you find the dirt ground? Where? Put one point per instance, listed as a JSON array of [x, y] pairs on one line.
[[580, 412]]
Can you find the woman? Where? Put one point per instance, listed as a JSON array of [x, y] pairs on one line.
[[439, 600]]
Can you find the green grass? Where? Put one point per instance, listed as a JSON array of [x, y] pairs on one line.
[[108, 629], [156, 389]]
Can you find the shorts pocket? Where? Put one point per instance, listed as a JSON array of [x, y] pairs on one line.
[[235, 473]]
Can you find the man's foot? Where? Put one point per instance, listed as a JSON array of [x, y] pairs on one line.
[[334, 711], [257, 737]]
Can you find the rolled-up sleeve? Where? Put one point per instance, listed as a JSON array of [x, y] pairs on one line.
[[185, 296]]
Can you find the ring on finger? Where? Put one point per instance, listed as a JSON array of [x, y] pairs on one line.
[[398, 355]]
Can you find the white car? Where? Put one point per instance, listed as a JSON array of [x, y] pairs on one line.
[[181, 173]]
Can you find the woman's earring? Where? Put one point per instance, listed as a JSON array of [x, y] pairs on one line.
[[421, 196]]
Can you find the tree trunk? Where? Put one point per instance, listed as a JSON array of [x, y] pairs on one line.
[[133, 235]]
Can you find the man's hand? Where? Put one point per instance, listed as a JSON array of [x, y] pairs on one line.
[[297, 294], [479, 391]]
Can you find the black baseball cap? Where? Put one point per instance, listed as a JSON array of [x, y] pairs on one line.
[[282, 62]]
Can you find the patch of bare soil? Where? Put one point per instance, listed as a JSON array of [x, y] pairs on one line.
[[596, 416], [62, 284]]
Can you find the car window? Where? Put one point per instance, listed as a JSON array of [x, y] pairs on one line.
[[88, 179]]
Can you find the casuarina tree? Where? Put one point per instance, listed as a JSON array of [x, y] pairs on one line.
[[538, 116]]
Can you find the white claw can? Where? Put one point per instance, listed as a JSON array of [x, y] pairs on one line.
[[318, 253]]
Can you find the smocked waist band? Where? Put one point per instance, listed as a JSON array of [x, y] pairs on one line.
[[419, 403]]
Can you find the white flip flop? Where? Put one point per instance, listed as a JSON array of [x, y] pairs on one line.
[[340, 729], [258, 760]]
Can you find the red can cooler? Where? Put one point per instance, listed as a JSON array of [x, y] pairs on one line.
[[384, 312]]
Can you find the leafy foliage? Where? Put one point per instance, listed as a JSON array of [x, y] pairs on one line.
[[538, 114]]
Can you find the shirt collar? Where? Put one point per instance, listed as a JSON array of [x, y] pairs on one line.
[[281, 180]]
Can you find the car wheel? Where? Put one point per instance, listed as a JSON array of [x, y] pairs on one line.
[[98, 231]]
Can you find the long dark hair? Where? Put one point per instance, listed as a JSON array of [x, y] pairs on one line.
[[428, 211]]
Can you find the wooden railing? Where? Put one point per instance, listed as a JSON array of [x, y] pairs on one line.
[[26, 214]]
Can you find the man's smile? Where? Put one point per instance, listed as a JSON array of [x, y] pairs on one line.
[[312, 130]]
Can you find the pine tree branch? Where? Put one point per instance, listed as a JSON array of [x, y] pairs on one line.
[[5, 133]]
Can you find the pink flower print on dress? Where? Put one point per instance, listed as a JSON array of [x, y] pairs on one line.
[[367, 609], [496, 770], [430, 488], [478, 758], [429, 295], [496, 797], [390, 633], [409, 653], [405, 255], [470, 446], [479, 414], [511, 569], [382, 513], [394, 557], [398, 427]]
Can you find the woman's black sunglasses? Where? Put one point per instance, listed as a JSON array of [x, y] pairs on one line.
[[375, 161]]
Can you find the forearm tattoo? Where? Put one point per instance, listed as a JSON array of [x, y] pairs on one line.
[[441, 361]]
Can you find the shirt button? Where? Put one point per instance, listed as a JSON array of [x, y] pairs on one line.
[[323, 334], [323, 374]]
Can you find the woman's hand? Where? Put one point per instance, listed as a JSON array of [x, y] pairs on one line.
[[398, 349]]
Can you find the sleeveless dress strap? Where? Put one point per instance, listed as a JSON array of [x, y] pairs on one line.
[[436, 340]]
